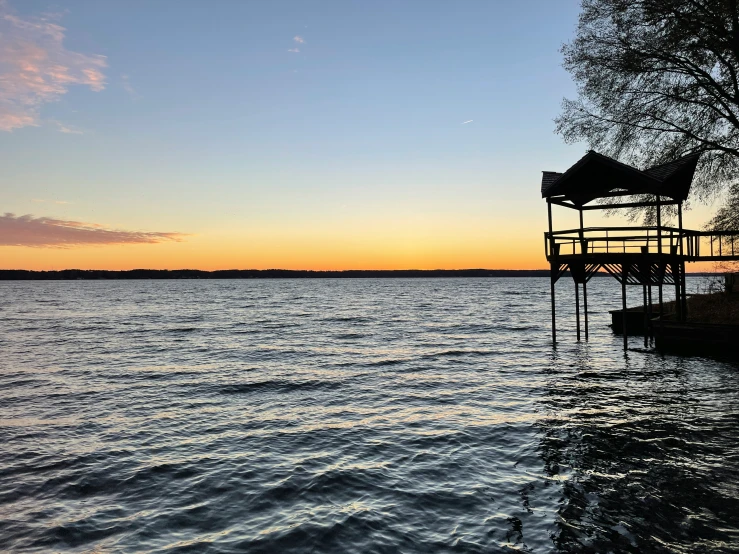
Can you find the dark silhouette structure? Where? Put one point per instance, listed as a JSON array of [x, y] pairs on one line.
[[645, 256]]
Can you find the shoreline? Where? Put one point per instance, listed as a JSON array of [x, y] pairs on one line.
[[95, 274], [104, 274]]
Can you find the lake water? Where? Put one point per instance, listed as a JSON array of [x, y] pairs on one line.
[[358, 415]]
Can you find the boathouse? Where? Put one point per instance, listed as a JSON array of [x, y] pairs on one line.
[[641, 256]]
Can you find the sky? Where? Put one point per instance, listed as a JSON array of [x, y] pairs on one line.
[[298, 134]]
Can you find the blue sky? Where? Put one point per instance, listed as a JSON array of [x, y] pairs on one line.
[[342, 122]]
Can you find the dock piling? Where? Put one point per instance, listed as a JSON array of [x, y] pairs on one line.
[[577, 309], [651, 309], [646, 317], [585, 305], [554, 318], [624, 273]]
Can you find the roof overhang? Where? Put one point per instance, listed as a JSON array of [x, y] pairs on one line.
[[597, 176]]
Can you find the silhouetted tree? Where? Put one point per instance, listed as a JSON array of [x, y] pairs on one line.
[[727, 216], [658, 79]]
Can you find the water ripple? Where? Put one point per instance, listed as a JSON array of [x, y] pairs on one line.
[[349, 415]]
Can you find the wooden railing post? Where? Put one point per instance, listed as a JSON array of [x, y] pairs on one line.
[[551, 234], [659, 226], [680, 225]]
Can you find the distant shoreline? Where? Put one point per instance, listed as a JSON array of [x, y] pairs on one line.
[[100, 274]]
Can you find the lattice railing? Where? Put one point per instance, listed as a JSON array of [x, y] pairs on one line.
[[694, 245]]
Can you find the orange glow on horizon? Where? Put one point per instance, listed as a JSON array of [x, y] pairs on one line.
[[298, 254]]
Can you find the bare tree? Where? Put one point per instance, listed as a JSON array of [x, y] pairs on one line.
[[659, 79]]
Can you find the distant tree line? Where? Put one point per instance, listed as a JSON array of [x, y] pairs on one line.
[[91, 274]]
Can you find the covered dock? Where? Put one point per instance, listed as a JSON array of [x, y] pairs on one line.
[[646, 256]]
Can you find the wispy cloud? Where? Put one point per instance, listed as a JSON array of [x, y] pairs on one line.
[[126, 83], [466, 122], [68, 129], [299, 39], [295, 50], [42, 200], [27, 230], [36, 68]]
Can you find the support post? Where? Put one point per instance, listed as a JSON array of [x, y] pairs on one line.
[[585, 305], [577, 308], [661, 309], [684, 299], [551, 237], [684, 287], [651, 308], [678, 287], [646, 317], [624, 272], [659, 225], [552, 272], [552, 278], [680, 225]]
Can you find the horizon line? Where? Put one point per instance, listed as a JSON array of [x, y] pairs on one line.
[[416, 270]]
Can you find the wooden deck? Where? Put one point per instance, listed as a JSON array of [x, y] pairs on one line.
[[650, 257]]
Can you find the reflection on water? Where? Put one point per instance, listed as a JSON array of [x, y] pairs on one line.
[[645, 454], [428, 415]]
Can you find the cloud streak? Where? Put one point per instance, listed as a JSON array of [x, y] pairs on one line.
[[36, 68], [299, 39], [126, 83], [66, 128], [466, 122], [27, 230], [41, 200]]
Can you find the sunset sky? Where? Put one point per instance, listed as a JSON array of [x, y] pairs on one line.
[[280, 134]]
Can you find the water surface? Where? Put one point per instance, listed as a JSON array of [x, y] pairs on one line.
[[357, 415]]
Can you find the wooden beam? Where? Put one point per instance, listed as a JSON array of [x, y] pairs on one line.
[[561, 203], [628, 205], [609, 194], [634, 228]]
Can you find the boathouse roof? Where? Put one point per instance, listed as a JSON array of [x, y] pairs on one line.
[[597, 176]]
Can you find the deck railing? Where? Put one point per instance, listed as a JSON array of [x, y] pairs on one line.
[[694, 245]]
